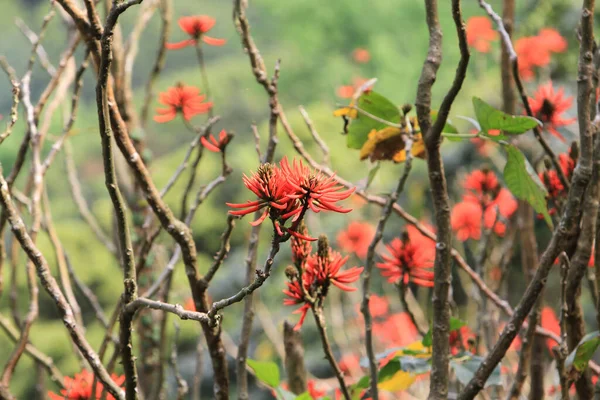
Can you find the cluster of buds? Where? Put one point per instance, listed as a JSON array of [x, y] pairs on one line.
[[286, 192], [313, 274]]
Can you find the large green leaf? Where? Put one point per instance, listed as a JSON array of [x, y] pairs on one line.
[[524, 183], [584, 351], [377, 105], [266, 371], [491, 118], [455, 324], [465, 366]]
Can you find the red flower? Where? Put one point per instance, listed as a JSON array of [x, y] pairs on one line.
[[465, 220], [214, 145], [325, 268], [186, 100], [80, 387], [313, 391], [398, 330], [319, 191], [196, 27], [347, 91], [378, 306], [535, 51], [411, 259], [506, 205], [480, 33], [481, 182], [550, 323], [361, 55], [350, 364], [189, 304], [548, 106], [356, 238], [320, 271]]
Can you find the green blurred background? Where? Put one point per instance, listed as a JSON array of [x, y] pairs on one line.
[[314, 41]]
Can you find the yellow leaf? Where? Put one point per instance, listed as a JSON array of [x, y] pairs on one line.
[[346, 112], [400, 381]]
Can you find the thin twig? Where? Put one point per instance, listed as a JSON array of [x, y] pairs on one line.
[[313, 131]]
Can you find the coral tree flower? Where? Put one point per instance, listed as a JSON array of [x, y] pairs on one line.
[[311, 278], [361, 55], [536, 51], [287, 191], [549, 321], [356, 238], [80, 387], [483, 201], [196, 27], [186, 100], [548, 106], [480, 34], [213, 145], [410, 259]]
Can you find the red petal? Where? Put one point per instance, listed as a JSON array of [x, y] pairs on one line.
[[180, 45], [213, 41]]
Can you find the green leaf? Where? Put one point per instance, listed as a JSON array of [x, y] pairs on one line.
[[303, 396], [377, 105], [266, 371], [524, 183], [363, 383], [455, 324], [465, 367], [491, 118], [584, 351]]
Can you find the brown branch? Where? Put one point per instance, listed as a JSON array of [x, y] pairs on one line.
[[159, 63], [317, 138], [16, 90], [294, 359], [260, 73], [320, 322], [141, 302], [437, 180], [182, 386], [51, 287], [370, 261], [40, 51], [567, 229], [124, 238]]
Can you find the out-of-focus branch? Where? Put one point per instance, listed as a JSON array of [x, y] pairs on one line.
[[16, 90], [51, 287], [294, 359]]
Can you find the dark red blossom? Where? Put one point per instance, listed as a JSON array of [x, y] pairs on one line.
[[326, 269], [536, 51], [80, 387], [196, 27], [549, 106], [213, 145], [462, 339], [183, 99], [410, 259]]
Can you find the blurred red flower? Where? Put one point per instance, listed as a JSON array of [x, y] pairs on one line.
[[361, 55], [186, 100], [214, 145], [196, 27], [550, 323], [356, 238], [347, 91], [462, 339], [480, 33], [80, 387], [411, 259], [535, 51], [398, 330], [465, 220], [548, 106]]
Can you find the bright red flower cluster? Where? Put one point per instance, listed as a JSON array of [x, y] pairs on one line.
[[80, 387], [356, 238], [410, 259], [484, 200], [536, 51], [183, 99], [214, 145], [288, 191], [480, 34], [548, 106], [311, 278], [196, 27], [462, 339]]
